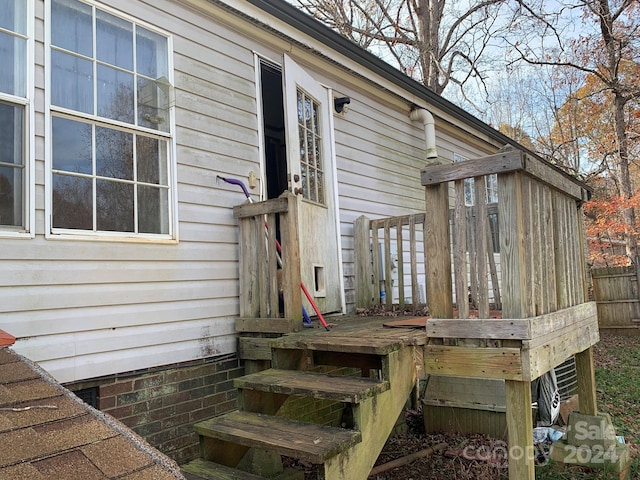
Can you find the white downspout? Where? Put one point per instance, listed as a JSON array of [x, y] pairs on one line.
[[424, 116]]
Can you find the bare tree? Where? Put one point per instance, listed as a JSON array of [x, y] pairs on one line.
[[434, 41], [600, 41]]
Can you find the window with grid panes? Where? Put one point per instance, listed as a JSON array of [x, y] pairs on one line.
[[13, 115], [110, 123]]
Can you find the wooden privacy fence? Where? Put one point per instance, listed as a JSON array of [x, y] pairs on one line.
[[617, 294], [545, 319]]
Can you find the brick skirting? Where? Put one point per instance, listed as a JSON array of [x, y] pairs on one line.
[[162, 404]]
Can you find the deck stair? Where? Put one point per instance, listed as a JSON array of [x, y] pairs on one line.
[[370, 374]]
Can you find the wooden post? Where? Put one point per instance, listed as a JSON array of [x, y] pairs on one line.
[[291, 276], [520, 430], [438, 251], [362, 260], [586, 382], [512, 251]]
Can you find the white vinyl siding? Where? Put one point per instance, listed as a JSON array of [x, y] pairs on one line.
[[92, 308]]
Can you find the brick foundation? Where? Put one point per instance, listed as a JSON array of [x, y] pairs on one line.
[[162, 404]]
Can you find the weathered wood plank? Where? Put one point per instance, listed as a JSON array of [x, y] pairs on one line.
[[418, 218], [552, 176], [275, 205], [306, 441], [387, 264], [413, 264], [555, 321], [560, 242], [512, 249], [586, 382], [362, 260], [267, 325], [460, 250], [495, 329], [438, 252], [273, 273], [520, 430], [200, 469], [498, 163], [481, 246], [400, 267], [375, 252], [254, 348], [291, 275], [549, 250], [338, 388], [350, 344], [548, 351], [505, 363], [264, 278], [249, 284], [530, 329]]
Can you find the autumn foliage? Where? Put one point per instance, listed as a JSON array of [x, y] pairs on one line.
[[606, 229]]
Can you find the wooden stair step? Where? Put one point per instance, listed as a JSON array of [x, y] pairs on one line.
[[305, 441], [339, 343], [200, 469], [339, 388]]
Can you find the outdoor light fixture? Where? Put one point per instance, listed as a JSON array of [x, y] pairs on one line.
[[339, 103]]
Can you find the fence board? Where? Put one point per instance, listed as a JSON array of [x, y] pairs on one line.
[[617, 295]]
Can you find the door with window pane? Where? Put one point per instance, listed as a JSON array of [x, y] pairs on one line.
[[310, 169]]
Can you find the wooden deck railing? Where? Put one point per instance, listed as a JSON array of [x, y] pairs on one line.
[[262, 278], [374, 259], [543, 285], [389, 255]]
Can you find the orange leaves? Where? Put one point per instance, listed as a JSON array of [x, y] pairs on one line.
[[606, 229]]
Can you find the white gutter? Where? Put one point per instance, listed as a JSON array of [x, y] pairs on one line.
[[424, 116]]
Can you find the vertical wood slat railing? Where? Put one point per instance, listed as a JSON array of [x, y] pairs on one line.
[[259, 269], [374, 241], [542, 262], [373, 263]]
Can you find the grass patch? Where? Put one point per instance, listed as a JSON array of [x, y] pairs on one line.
[[617, 362]]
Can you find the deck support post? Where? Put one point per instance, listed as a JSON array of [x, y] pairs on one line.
[[438, 251], [291, 276], [520, 430], [586, 382]]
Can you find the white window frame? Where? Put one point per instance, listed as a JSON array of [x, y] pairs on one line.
[[170, 137], [27, 229]]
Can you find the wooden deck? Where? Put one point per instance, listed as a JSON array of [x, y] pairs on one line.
[[359, 334]]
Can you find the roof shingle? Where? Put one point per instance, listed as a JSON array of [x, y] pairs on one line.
[[48, 433]]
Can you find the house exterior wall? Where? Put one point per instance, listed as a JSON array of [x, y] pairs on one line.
[[96, 307]]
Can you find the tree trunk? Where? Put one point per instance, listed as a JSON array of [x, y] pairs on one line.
[[626, 190], [430, 17]]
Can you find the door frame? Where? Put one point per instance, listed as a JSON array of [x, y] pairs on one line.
[[259, 59]]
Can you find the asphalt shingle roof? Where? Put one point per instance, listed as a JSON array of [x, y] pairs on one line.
[[47, 433]]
